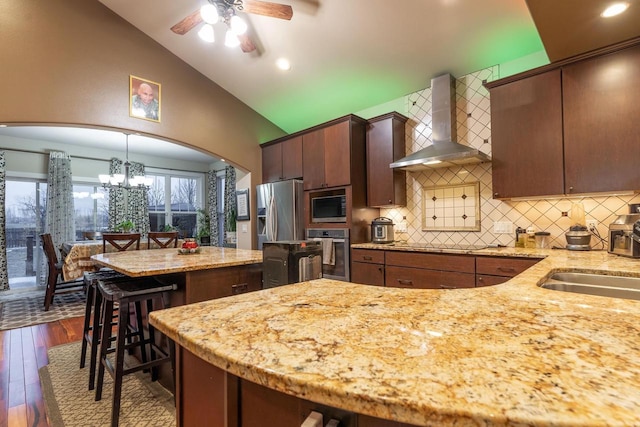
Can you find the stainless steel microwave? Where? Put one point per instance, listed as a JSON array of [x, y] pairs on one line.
[[329, 209]]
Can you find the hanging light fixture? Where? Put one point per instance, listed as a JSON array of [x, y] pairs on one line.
[[215, 11], [124, 180]]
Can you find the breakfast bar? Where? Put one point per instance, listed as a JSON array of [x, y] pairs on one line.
[[510, 354]]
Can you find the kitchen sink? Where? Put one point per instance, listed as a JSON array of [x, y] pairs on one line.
[[595, 284]]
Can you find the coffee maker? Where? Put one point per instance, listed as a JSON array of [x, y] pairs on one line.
[[624, 236]]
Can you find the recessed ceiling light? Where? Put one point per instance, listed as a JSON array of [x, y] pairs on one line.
[[614, 9], [283, 64]]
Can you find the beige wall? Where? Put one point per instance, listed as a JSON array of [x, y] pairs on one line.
[[69, 61]]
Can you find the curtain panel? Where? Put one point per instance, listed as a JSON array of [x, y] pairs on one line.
[[230, 202], [4, 275], [212, 206], [128, 204], [60, 212]]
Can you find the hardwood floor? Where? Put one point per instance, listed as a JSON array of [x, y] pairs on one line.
[[22, 352]]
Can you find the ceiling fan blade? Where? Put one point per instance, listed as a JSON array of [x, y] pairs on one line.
[[187, 23], [265, 8], [246, 44]]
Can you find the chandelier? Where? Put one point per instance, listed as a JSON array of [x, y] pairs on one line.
[[223, 11], [125, 180]]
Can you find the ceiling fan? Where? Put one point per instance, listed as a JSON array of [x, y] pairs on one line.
[[225, 10]]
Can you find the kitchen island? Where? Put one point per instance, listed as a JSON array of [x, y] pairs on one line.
[[214, 272], [510, 354]]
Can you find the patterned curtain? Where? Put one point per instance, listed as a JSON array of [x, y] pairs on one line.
[[4, 276], [59, 215], [229, 201], [212, 206], [132, 204]]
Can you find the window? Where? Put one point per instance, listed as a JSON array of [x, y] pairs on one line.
[[184, 192], [91, 206]]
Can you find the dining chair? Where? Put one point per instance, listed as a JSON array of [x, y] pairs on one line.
[[92, 235], [121, 241], [163, 239], [55, 284]]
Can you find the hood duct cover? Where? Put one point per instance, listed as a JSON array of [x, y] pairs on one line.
[[444, 152]]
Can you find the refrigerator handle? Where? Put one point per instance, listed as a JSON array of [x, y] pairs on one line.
[[275, 219]]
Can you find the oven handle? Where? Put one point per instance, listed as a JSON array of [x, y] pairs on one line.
[[338, 240]]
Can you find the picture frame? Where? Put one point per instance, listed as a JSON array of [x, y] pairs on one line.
[[242, 203], [145, 99]]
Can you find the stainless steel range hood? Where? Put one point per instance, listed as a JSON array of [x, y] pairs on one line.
[[444, 152]]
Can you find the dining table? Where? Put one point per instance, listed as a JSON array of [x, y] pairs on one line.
[[77, 256], [210, 272]]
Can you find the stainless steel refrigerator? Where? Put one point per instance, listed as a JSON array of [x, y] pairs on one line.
[[280, 211]]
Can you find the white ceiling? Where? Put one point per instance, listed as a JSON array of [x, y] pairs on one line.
[[346, 55]]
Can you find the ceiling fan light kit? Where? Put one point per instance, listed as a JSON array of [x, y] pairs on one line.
[[226, 9]]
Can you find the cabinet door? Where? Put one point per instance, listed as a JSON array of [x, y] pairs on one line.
[[337, 154], [313, 159], [501, 266], [385, 144], [602, 123], [526, 134], [367, 273], [292, 158], [272, 163]]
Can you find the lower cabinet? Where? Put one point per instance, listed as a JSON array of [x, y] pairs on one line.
[[421, 270], [495, 270], [209, 396]]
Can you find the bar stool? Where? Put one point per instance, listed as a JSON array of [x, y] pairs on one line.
[[124, 293], [91, 326]]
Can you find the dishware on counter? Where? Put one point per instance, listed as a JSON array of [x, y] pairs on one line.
[[382, 230], [624, 236]]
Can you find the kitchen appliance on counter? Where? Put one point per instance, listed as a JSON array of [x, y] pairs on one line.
[[286, 262], [578, 238], [382, 230], [624, 236], [336, 251], [280, 211]]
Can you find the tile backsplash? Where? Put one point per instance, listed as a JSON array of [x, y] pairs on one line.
[[474, 129]]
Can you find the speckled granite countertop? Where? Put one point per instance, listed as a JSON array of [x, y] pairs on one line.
[[511, 354], [468, 250], [164, 261]]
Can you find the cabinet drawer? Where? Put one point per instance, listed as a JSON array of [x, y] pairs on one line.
[[486, 280], [501, 266], [457, 263], [418, 278], [367, 255], [367, 273]]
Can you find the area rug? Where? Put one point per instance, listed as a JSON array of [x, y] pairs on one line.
[[69, 403], [28, 311]]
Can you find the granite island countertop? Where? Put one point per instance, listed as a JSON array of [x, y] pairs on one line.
[[510, 354], [166, 261]]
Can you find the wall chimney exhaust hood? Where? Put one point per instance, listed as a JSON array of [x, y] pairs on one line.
[[444, 152]]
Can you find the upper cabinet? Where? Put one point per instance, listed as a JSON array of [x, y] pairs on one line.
[[569, 127], [385, 145], [526, 133], [602, 123], [282, 159], [333, 154]]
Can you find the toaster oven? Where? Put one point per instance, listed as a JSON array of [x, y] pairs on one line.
[[624, 236]]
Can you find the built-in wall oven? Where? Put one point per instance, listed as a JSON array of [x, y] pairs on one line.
[[335, 256]]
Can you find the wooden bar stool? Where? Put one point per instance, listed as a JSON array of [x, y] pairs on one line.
[[92, 322], [124, 293]]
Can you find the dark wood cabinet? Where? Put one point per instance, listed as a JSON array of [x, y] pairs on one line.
[[327, 156], [429, 271], [282, 160], [367, 267], [568, 128], [495, 270], [526, 133], [386, 144], [602, 123]]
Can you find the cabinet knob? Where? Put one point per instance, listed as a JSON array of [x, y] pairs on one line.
[[570, 189], [496, 194], [405, 282], [389, 201]]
